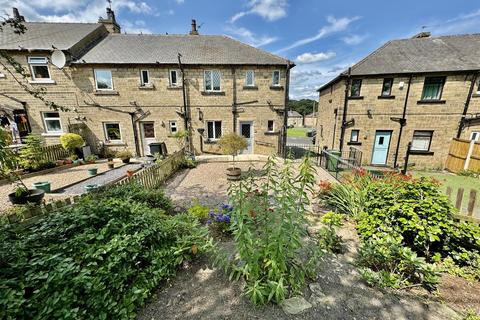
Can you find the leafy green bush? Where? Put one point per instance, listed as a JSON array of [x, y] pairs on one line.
[[385, 262], [71, 141], [30, 155], [199, 211], [268, 224], [327, 235], [99, 259]]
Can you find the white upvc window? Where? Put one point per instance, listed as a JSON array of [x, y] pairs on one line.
[[52, 123], [478, 87], [250, 78], [270, 126], [214, 130], [422, 140], [144, 78], [112, 131], [103, 79], [212, 80], [39, 68], [475, 135], [174, 77], [276, 78], [173, 126]]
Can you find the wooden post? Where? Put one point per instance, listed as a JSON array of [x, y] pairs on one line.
[[469, 154], [449, 193], [458, 203], [471, 202], [409, 147]]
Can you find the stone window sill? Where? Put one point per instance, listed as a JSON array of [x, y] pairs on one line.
[[354, 143], [386, 97], [211, 141], [355, 98], [421, 152], [213, 93], [52, 134], [250, 88], [46, 81], [147, 87], [105, 93], [476, 95], [431, 102], [276, 88], [174, 87], [115, 144], [271, 133]]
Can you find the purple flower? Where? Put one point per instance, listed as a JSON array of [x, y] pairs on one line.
[[211, 214], [209, 221]]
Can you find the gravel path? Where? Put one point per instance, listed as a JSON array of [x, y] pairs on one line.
[[101, 179]]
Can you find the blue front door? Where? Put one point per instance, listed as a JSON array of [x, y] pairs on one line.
[[380, 147]]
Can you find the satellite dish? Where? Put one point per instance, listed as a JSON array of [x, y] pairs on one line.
[[58, 59]]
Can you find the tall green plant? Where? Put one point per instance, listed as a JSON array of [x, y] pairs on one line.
[[268, 223], [71, 141], [30, 155], [232, 144]]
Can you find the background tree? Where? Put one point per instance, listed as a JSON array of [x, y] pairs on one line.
[[303, 106]]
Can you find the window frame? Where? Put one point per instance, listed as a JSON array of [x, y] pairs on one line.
[[422, 98], [279, 78], [170, 122], [273, 125], [359, 88], [385, 80], [351, 135], [177, 74], [142, 81], [253, 78], [96, 83], [477, 133], [478, 87], [429, 143], [211, 80], [215, 138], [43, 64], [45, 119], [104, 124]]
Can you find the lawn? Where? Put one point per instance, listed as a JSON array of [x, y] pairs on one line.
[[298, 132]]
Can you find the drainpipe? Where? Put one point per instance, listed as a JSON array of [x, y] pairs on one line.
[[335, 112], [285, 112], [135, 134], [402, 122], [465, 108], [234, 100], [345, 106], [186, 116]]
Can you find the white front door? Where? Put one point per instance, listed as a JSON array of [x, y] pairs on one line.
[[246, 130], [147, 131]]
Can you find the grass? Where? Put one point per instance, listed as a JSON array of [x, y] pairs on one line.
[[455, 182], [298, 132]]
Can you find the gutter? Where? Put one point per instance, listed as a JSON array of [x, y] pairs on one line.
[[461, 125], [135, 133], [402, 121]]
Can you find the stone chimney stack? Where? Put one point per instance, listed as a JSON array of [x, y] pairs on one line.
[[17, 16], [424, 34], [194, 31], [110, 22]]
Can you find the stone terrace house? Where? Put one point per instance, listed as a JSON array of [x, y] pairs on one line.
[[424, 90], [127, 91]]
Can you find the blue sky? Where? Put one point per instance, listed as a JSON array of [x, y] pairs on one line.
[[321, 37]]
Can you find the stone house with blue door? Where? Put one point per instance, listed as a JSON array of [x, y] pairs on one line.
[[424, 90], [129, 90]]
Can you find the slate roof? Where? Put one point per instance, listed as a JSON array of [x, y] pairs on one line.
[[421, 55], [42, 35], [164, 49]]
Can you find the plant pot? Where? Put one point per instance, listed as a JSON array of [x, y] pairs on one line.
[[92, 172], [76, 162], [110, 165], [45, 186], [130, 173], [234, 174], [35, 196], [60, 163], [68, 161], [126, 160], [91, 187]]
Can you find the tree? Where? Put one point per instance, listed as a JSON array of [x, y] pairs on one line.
[[303, 106], [231, 144]]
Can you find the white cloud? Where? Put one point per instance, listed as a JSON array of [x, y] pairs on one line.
[[354, 39], [179, 1], [334, 25], [464, 23], [249, 37], [270, 10], [308, 57], [136, 27]]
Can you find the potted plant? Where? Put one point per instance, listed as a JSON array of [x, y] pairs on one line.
[[91, 159], [92, 172], [231, 144], [125, 155], [8, 165], [70, 142], [130, 173]]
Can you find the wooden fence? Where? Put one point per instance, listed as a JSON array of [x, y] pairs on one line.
[[54, 152], [467, 209], [150, 177], [463, 155]]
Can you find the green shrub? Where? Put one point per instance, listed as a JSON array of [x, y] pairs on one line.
[[268, 224], [199, 211], [98, 259], [327, 235], [31, 155], [71, 141], [385, 262]]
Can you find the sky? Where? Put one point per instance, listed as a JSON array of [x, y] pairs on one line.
[[322, 37]]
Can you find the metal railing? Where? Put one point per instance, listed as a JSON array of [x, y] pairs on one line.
[[340, 164]]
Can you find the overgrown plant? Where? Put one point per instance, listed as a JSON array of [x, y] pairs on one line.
[[269, 228], [71, 141], [31, 154], [8, 165], [327, 235]]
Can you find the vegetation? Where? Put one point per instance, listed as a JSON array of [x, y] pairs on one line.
[[198, 211], [8, 165], [327, 235], [98, 259], [31, 154], [405, 225], [124, 154], [91, 158], [268, 225], [71, 141], [232, 144], [303, 106], [298, 132]]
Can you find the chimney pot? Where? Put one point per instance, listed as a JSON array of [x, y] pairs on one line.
[[423, 34], [194, 31]]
